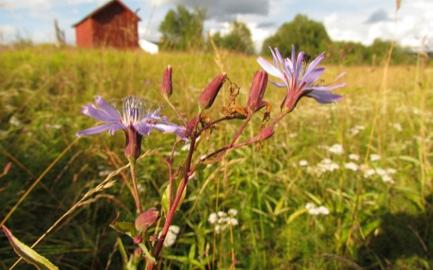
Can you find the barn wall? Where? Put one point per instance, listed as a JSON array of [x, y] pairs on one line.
[[84, 34], [116, 27]]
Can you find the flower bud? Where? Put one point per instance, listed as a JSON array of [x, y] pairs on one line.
[[209, 94], [146, 219], [257, 92], [265, 133], [167, 85], [133, 143]]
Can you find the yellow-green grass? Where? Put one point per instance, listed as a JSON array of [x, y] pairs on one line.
[[371, 224]]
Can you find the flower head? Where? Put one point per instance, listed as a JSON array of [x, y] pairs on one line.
[[133, 120], [299, 80]]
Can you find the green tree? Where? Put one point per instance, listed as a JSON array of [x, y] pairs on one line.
[[239, 39], [182, 29], [302, 32]]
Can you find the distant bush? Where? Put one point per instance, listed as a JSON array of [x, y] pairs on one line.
[[303, 33], [238, 40], [182, 29]]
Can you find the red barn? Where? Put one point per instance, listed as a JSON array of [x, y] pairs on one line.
[[112, 25]]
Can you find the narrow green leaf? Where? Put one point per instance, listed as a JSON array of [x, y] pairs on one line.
[[27, 253]]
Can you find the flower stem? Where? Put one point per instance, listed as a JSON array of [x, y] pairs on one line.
[[180, 190], [135, 192]]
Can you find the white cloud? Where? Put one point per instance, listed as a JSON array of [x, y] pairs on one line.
[[410, 27]]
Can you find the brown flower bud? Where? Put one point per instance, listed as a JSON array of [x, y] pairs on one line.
[[257, 92], [209, 94], [167, 85], [133, 143], [146, 219]]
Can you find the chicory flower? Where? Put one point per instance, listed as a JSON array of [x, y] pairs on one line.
[[133, 120], [299, 80]]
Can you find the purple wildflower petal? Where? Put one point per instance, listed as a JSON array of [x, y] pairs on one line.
[[298, 66], [312, 66], [108, 108], [269, 68], [276, 56], [313, 75], [288, 64], [327, 87], [111, 128], [279, 84], [91, 111], [323, 97], [143, 127], [170, 128]]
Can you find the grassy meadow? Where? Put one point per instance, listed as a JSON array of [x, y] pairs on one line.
[[365, 164]]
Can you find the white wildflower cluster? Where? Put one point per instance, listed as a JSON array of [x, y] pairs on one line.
[[327, 165], [374, 157], [170, 238], [314, 210], [336, 149], [222, 220], [303, 163], [351, 166], [384, 174], [356, 130]]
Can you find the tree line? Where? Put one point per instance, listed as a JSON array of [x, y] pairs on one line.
[[182, 29]]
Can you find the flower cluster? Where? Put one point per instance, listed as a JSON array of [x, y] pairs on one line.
[[314, 210], [222, 220]]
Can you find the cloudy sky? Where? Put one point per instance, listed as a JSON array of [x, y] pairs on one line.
[[355, 20]]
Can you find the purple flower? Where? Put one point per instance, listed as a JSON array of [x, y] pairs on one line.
[[299, 80], [133, 120]]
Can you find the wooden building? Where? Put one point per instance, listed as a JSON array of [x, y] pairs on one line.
[[112, 25]]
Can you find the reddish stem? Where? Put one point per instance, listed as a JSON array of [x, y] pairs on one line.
[[159, 244]]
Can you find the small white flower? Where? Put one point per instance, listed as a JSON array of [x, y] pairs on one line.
[[233, 222], [232, 212], [323, 210], [303, 163], [387, 179], [213, 217], [351, 166], [218, 229], [336, 149], [356, 129], [374, 157], [369, 173], [310, 206], [313, 210], [222, 214], [354, 157], [171, 236]]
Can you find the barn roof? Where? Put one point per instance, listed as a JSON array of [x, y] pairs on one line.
[[100, 9]]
